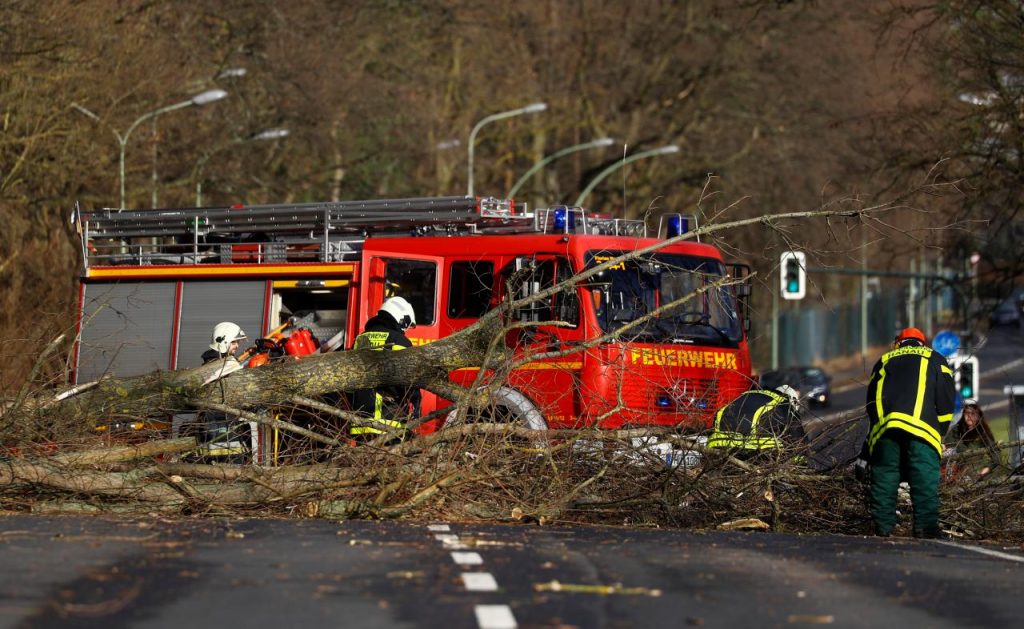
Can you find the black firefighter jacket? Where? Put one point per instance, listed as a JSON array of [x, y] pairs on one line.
[[387, 405], [757, 420], [911, 390]]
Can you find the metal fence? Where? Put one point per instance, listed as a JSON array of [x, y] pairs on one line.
[[814, 331]]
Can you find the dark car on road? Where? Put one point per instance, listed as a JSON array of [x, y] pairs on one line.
[[1008, 311], [813, 384]]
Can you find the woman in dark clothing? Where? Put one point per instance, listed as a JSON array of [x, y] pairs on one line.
[[972, 432]]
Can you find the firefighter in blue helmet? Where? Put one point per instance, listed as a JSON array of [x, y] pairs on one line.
[[387, 408], [759, 421], [910, 405]]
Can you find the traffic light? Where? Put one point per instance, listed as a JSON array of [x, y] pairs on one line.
[[967, 379], [793, 273]]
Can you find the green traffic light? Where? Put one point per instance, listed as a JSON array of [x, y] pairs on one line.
[[967, 380], [792, 286]]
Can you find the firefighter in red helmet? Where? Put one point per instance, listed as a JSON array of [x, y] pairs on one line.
[[910, 405]]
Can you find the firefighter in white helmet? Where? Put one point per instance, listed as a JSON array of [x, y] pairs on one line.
[[387, 408], [760, 421], [224, 341], [221, 436]]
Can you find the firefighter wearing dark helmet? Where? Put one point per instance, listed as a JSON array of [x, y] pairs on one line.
[[759, 421], [910, 405], [386, 408]]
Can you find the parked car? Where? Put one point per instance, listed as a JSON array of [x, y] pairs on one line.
[[1008, 312], [813, 384]]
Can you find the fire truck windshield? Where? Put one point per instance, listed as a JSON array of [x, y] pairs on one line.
[[633, 289]]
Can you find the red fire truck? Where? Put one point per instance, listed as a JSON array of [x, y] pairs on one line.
[[155, 282]]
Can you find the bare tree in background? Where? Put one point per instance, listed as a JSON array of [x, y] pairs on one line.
[[975, 128]]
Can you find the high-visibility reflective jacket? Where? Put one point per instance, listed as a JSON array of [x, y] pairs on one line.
[[757, 420], [386, 407], [911, 390]]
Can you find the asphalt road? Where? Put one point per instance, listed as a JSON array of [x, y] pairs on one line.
[[90, 572]]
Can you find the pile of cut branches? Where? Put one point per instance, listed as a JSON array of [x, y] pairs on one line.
[[482, 471]]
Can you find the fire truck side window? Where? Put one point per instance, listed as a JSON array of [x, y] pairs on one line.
[[543, 274], [470, 286], [566, 304], [416, 281]]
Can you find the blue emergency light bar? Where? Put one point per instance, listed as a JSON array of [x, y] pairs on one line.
[[678, 224], [564, 219]]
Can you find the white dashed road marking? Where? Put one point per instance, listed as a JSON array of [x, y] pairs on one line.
[[479, 582], [983, 551], [487, 616], [495, 617], [450, 541], [467, 559]]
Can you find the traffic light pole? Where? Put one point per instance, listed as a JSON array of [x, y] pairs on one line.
[[792, 286], [864, 274], [872, 273], [775, 328]]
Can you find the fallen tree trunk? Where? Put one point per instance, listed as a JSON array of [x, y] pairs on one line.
[[133, 485], [126, 453], [165, 391]]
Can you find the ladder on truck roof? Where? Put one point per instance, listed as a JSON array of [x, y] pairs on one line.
[[300, 218], [312, 232], [328, 231]]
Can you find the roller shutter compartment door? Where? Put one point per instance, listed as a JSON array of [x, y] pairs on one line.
[[126, 329], [205, 304]]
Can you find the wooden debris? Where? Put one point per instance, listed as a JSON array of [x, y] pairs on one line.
[[744, 524]]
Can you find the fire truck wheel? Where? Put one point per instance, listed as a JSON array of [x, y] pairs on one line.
[[510, 406]]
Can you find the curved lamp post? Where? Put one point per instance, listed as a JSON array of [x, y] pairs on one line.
[[268, 134], [233, 73], [203, 98], [529, 109], [664, 150], [557, 154]]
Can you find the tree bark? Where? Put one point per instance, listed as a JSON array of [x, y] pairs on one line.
[[126, 453], [166, 391]]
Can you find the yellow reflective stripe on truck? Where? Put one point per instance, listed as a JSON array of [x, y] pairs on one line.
[[211, 270]]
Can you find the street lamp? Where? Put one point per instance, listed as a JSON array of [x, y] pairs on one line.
[[664, 150], [529, 109], [203, 98], [267, 134], [557, 154], [232, 73]]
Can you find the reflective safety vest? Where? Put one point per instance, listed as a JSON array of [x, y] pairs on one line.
[[378, 422], [756, 420], [911, 390]]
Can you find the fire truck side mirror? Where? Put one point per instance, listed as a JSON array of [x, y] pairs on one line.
[[743, 291], [521, 284]]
